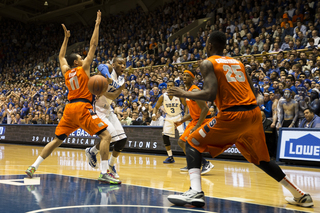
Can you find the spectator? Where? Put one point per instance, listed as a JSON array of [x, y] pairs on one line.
[[126, 120], [310, 120], [267, 105], [135, 119]]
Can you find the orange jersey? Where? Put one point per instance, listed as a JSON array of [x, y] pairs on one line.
[[194, 109], [234, 87], [76, 80]]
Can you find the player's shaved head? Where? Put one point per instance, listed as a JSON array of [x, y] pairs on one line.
[[218, 40], [117, 59]]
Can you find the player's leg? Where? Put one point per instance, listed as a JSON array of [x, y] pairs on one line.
[[168, 131], [92, 124], [256, 152], [194, 195], [120, 139], [64, 128]]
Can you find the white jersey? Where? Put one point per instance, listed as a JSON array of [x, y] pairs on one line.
[[103, 104], [171, 107]]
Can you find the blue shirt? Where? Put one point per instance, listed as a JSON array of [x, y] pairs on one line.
[[267, 108], [311, 124]]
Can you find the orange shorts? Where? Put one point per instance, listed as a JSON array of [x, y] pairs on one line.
[[242, 128], [79, 115], [192, 124]]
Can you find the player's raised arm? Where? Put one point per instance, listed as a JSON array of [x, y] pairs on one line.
[[62, 60], [210, 86], [93, 45]]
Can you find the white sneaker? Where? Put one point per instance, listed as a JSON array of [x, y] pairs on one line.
[[92, 158], [191, 197], [113, 171], [206, 167], [304, 201]]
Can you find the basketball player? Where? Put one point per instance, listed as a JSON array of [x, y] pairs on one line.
[[79, 112], [238, 121], [199, 113], [172, 108], [288, 110], [105, 112]]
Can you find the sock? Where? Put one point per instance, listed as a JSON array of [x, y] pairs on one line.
[[169, 153], [36, 164], [94, 150], [295, 191], [195, 179], [112, 160], [203, 160], [104, 166]]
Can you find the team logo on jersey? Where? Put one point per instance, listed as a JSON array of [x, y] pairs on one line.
[[212, 122]]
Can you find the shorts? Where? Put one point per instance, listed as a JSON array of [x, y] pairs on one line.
[[79, 115], [190, 126], [169, 128], [114, 126], [242, 128]]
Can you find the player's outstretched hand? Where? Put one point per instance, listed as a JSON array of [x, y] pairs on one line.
[[98, 20], [66, 32], [176, 91]]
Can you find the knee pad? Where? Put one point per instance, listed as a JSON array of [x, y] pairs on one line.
[[62, 137], [119, 145], [194, 157], [166, 140]]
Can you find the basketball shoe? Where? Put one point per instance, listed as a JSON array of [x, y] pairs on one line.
[[113, 171], [108, 178], [191, 197], [184, 169], [30, 171], [206, 167], [304, 201], [92, 157], [169, 160]]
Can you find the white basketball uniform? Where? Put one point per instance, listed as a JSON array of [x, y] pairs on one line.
[[173, 113], [105, 112]]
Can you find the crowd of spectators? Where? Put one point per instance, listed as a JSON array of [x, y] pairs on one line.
[[285, 33]]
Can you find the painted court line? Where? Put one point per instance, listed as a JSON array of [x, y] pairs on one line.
[[122, 206]]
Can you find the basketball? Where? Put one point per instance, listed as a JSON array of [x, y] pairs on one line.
[[97, 84]]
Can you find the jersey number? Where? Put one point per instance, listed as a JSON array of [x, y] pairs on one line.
[[74, 83], [172, 110], [234, 69]]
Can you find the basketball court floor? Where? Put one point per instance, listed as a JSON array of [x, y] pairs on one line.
[[65, 182]]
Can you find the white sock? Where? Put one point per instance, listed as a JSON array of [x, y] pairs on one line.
[[169, 153], [94, 150], [104, 166], [195, 179], [37, 195], [36, 164], [112, 160], [295, 191]]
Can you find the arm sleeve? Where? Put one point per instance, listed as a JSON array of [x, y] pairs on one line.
[[104, 70]]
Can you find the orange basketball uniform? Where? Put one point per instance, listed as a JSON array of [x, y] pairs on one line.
[[79, 112], [194, 111], [239, 119]]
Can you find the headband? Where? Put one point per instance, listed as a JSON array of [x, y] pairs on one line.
[[190, 73]]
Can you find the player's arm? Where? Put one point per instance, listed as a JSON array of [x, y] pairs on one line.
[[184, 103], [296, 114], [157, 106], [62, 60], [185, 118], [210, 87], [113, 95], [280, 113], [93, 45]]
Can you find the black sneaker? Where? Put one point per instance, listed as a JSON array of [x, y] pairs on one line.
[[169, 160]]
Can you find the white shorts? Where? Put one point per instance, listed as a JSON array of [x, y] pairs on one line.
[[168, 126], [114, 126]]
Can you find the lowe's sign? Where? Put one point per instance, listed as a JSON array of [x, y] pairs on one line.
[[299, 144]]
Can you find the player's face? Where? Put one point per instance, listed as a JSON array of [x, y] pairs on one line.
[[187, 79], [119, 65], [170, 85], [79, 61]]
